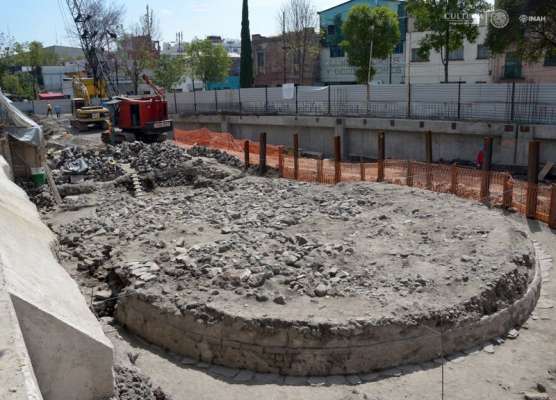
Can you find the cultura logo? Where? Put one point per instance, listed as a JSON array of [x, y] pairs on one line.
[[499, 18]]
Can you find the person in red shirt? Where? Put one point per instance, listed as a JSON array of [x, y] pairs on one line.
[[480, 159]]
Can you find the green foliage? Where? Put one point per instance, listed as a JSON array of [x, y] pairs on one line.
[[443, 34], [20, 84], [207, 62], [169, 71], [246, 62], [17, 55], [529, 41], [364, 25]]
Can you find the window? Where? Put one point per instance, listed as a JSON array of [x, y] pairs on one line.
[[456, 55], [415, 56], [512, 67], [260, 59], [336, 51], [483, 52], [331, 29], [550, 59]]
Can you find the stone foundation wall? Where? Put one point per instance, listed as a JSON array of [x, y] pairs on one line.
[[304, 349]]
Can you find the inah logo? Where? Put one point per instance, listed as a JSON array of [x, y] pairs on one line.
[[499, 18]]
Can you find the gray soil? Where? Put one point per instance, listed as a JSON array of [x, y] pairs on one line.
[[419, 255], [269, 248]]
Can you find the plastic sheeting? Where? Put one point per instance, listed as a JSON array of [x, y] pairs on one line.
[[20, 126]]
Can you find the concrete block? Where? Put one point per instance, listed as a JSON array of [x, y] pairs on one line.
[[71, 356]]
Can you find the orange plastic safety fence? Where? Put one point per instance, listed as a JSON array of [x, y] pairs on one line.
[[463, 181]]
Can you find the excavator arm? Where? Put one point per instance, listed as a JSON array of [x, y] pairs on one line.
[[80, 90], [157, 90]]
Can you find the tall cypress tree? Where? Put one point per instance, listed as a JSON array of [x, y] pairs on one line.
[[246, 65]]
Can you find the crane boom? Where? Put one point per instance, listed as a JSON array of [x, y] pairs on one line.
[[157, 90]]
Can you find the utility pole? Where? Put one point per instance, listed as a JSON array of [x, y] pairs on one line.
[[284, 48]]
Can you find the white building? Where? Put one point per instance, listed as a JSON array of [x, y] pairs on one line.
[[471, 63]]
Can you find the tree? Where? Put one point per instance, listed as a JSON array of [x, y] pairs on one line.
[[367, 27], [207, 62], [19, 84], [169, 72], [531, 40], [137, 50], [298, 20], [246, 61], [443, 33]]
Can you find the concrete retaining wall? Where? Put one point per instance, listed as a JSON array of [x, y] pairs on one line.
[[268, 345], [404, 138], [70, 355]]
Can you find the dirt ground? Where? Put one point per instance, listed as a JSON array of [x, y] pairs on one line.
[[504, 369], [496, 371]]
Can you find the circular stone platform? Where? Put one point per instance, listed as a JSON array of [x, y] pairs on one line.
[[299, 279]]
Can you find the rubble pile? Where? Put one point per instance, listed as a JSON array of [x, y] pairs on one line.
[[133, 385], [98, 165], [220, 156], [40, 196], [272, 241]]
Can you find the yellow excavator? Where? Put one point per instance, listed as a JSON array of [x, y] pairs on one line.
[[85, 116]]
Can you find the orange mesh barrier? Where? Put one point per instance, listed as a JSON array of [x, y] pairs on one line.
[[226, 142], [496, 187]]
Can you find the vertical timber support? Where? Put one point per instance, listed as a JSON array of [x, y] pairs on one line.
[[487, 166], [428, 158], [381, 156], [454, 178], [320, 173], [361, 169], [246, 154], [409, 178], [281, 161], [295, 156], [507, 196], [337, 159], [552, 213], [262, 153], [532, 179]]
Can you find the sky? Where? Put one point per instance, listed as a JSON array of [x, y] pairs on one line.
[[46, 20]]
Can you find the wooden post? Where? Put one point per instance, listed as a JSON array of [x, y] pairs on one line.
[[532, 179], [454, 178], [552, 213], [295, 156], [262, 153], [487, 166], [381, 156], [246, 153], [320, 174], [281, 162], [428, 158], [337, 159], [507, 196], [428, 147], [409, 179], [362, 169]]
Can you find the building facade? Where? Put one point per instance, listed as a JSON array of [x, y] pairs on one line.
[[276, 63], [472, 63], [508, 67], [334, 66]]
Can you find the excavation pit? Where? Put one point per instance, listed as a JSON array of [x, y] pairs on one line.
[[299, 279]]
